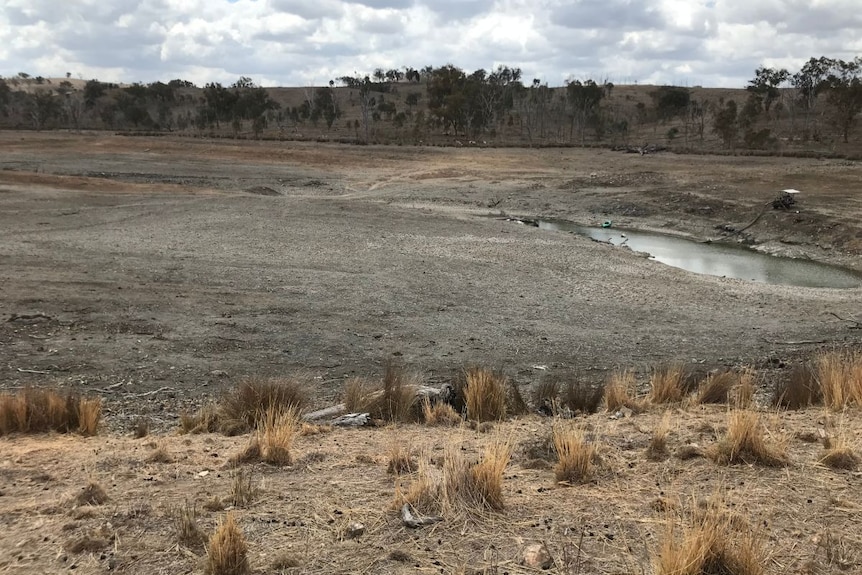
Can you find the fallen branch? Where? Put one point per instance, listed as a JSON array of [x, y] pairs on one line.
[[414, 521], [33, 371], [856, 323], [28, 316], [154, 392]]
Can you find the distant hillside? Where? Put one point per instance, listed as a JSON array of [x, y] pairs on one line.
[[814, 115]]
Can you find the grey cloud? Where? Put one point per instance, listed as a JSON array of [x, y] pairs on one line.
[[607, 14], [309, 10]]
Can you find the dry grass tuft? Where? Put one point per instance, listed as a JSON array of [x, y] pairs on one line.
[[356, 395], [745, 443], [188, 531], [713, 543], [546, 396], [88, 544], [396, 402], [619, 390], [306, 429], [160, 455], [477, 486], [657, 449], [93, 494], [515, 403], [439, 413], [254, 397], [576, 457], [839, 376], [34, 410], [251, 454], [141, 428], [227, 552], [839, 454], [667, 384], [716, 387], [798, 392], [581, 397], [277, 431], [742, 395], [242, 491], [206, 420], [424, 493], [401, 459], [285, 561], [485, 395]]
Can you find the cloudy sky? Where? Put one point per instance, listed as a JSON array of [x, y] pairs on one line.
[[309, 42]]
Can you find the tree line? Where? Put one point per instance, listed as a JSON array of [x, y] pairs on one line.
[[820, 101]]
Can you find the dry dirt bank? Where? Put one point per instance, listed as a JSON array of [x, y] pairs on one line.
[[161, 262]]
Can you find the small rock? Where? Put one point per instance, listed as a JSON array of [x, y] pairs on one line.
[[354, 529], [218, 373], [537, 556]]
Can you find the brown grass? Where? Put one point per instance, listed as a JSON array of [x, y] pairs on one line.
[[485, 395], [254, 397], [657, 448], [839, 454], [141, 428], [583, 398], [401, 459], [160, 455], [546, 396], [745, 443], [439, 413], [712, 543], [395, 402], [742, 395], [188, 531], [619, 391], [242, 491], [716, 387], [227, 552], [355, 395], [478, 486], [34, 410], [93, 494], [839, 376], [667, 384], [424, 493], [276, 433], [252, 453], [515, 403], [799, 391], [576, 457]]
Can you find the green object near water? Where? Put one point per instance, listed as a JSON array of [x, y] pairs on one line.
[[607, 224]]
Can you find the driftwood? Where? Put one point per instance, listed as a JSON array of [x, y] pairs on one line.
[[433, 394], [414, 521]]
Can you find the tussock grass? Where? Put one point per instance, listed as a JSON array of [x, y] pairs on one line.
[[276, 433], [160, 455], [716, 387], [515, 403], [839, 454], [742, 394], [252, 453], [799, 391], [711, 543], [254, 397], [657, 448], [546, 396], [477, 486], [33, 410], [581, 397], [242, 492], [667, 384], [485, 395], [227, 552], [401, 459], [439, 413], [424, 493], [395, 401], [576, 457], [92, 494], [619, 392], [745, 443], [141, 428], [839, 376], [186, 525]]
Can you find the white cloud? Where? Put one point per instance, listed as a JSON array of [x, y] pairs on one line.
[[298, 42]]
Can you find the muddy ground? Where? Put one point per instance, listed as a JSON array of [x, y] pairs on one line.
[[159, 270]]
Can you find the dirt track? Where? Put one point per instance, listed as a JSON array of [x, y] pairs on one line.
[[158, 261]]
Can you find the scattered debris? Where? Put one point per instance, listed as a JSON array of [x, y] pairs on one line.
[[414, 521], [537, 556]]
